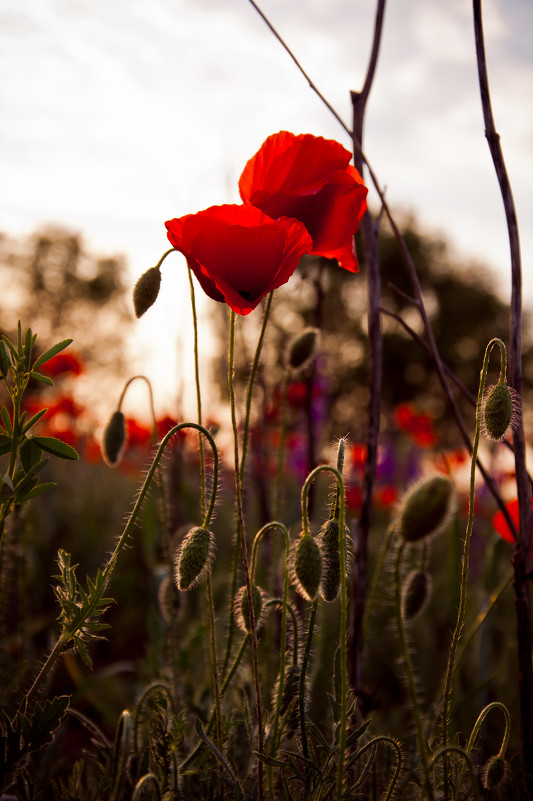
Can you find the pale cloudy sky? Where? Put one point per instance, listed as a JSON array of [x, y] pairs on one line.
[[116, 115]]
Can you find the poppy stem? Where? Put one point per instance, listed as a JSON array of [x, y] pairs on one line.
[[241, 541]]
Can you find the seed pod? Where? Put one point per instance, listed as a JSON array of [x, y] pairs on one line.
[[498, 411], [242, 609], [114, 439], [302, 349], [425, 509], [306, 568], [194, 557], [494, 772], [146, 290], [415, 594]]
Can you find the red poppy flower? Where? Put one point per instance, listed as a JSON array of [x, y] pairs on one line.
[[63, 363], [311, 179], [500, 524], [418, 424], [238, 253]]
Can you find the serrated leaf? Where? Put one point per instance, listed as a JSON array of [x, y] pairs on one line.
[[83, 652], [31, 422], [53, 351], [56, 447], [38, 728], [44, 379]]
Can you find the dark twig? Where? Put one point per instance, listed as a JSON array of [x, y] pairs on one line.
[[370, 242], [521, 552]]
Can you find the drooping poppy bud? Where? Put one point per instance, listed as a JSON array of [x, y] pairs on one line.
[[425, 509], [493, 772], [242, 609], [328, 536], [499, 411], [194, 557], [302, 349], [114, 439], [306, 568], [146, 290], [415, 594]]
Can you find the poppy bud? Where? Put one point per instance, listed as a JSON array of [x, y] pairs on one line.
[[330, 584], [425, 509], [493, 772], [415, 594], [302, 349], [498, 410], [306, 569], [114, 439], [242, 609], [146, 290], [193, 557]]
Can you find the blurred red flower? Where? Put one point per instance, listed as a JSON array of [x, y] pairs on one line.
[[419, 425], [500, 524], [63, 363], [237, 253], [309, 178]]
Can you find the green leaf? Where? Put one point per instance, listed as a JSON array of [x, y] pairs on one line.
[[83, 652], [6, 420], [4, 360], [38, 728], [44, 379], [355, 735], [268, 760], [5, 447], [53, 351], [36, 491], [56, 447], [12, 348], [30, 454], [31, 422]]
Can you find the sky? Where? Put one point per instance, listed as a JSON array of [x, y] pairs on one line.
[[116, 115]]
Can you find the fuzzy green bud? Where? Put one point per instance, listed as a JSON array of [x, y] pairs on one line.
[[498, 410], [328, 537], [146, 290], [493, 772], [302, 349], [425, 509], [114, 439], [242, 609], [194, 557], [415, 594], [306, 568]]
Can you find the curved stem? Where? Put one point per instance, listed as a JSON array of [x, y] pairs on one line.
[[455, 749], [67, 634], [446, 700], [375, 741], [198, 392]]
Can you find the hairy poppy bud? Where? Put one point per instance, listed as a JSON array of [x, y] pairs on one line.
[[499, 411], [415, 594], [493, 772], [302, 349], [328, 536], [146, 290], [306, 569], [242, 609], [425, 509], [114, 439], [194, 557]]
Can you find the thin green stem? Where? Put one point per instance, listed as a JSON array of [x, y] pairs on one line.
[[281, 446], [455, 749], [409, 673], [214, 661], [303, 676], [376, 580], [67, 634], [241, 541], [198, 391], [448, 683], [383, 738]]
